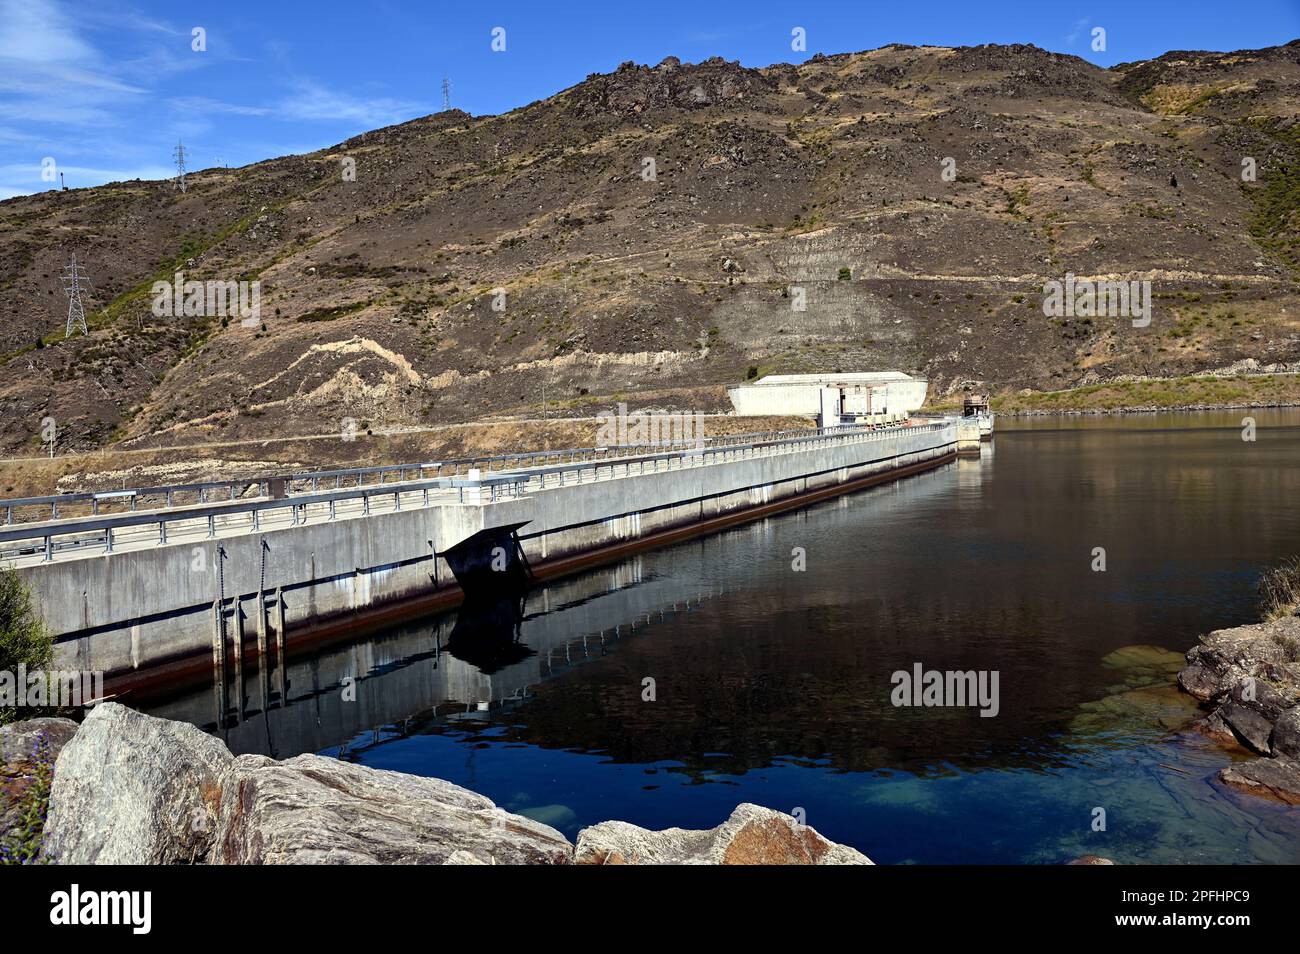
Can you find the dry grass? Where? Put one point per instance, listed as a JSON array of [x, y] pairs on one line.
[[1265, 390], [114, 468], [1279, 590]]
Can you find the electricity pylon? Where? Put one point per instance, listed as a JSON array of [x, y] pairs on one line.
[[179, 154], [74, 282]]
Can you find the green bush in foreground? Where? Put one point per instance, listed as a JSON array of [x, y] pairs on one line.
[[24, 638], [21, 842]]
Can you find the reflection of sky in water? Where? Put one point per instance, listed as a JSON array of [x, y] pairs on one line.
[[773, 686]]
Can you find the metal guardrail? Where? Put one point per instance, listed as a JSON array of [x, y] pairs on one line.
[[133, 495], [311, 482], [79, 533]]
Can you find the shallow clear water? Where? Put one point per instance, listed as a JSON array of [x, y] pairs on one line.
[[773, 686]]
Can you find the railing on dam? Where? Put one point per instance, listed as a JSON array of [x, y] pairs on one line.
[[68, 538], [93, 503]]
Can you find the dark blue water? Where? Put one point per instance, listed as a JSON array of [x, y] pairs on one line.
[[772, 685]]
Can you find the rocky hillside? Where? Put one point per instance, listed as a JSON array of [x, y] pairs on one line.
[[476, 260]]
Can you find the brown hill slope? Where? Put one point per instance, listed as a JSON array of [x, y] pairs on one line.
[[821, 181]]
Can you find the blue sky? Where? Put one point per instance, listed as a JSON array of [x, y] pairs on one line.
[[106, 89]]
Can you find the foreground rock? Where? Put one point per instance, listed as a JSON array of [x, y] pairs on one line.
[[19, 742], [27, 749], [1277, 778], [132, 789], [313, 810], [751, 836], [1249, 679]]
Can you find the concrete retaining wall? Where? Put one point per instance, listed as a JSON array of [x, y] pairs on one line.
[[134, 609]]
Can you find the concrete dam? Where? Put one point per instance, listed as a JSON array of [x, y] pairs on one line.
[[247, 572]]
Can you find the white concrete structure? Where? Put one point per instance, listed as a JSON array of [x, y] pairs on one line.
[[861, 394]]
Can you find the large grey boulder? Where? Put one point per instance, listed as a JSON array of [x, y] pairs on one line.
[[132, 789], [313, 810], [753, 835], [1248, 724], [1286, 734]]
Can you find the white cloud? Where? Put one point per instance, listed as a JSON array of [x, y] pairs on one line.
[[1079, 27], [311, 101], [202, 104], [37, 31]]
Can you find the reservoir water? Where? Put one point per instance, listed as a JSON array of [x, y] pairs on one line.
[[665, 689]]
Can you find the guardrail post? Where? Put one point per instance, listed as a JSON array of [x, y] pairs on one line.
[[332, 511], [108, 539], [49, 550], [212, 525], [54, 510], [162, 532]]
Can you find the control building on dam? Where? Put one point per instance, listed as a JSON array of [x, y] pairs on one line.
[[155, 583]]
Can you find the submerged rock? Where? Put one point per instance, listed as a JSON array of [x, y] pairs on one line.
[[751, 836], [1144, 665]]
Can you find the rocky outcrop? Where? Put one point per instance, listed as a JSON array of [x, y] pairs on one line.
[[1249, 679], [313, 810], [1276, 778], [132, 789], [751, 836]]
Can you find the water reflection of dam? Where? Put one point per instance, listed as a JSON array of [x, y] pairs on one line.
[[428, 666], [450, 666]]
